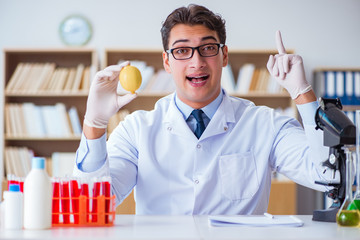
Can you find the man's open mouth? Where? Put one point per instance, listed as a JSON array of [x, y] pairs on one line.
[[197, 79]]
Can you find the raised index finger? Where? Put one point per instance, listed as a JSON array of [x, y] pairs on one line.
[[279, 44]]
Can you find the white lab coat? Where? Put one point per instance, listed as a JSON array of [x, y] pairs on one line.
[[226, 171]]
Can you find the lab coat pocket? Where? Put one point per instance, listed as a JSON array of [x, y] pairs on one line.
[[239, 178]]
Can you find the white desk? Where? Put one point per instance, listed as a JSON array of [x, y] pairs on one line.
[[186, 227]]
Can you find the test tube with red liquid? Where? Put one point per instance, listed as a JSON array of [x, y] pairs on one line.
[[85, 192], [65, 200], [21, 183], [96, 191], [56, 201], [106, 191], [75, 193]]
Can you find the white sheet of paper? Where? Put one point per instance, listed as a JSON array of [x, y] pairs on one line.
[[255, 221]]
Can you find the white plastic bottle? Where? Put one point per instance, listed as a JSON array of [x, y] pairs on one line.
[[37, 196], [13, 200]]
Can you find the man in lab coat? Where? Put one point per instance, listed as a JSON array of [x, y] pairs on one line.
[[177, 167]]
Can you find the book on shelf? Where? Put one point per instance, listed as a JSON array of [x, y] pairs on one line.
[[244, 79], [46, 72], [18, 160], [30, 120], [85, 80], [51, 121], [78, 76], [75, 121], [10, 123], [227, 79], [14, 77], [62, 163], [64, 120], [47, 77], [35, 127], [69, 80], [59, 85], [20, 80]]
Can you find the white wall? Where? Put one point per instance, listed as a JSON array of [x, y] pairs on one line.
[[324, 32]]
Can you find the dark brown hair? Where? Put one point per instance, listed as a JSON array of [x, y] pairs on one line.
[[193, 15]]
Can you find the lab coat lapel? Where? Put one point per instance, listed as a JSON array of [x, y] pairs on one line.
[[220, 122], [175, 123]]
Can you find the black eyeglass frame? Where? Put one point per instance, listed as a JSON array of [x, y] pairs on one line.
[[219, 45]]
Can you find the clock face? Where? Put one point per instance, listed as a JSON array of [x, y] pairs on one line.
[[75, 31]]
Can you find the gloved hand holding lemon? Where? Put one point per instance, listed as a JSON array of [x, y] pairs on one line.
[[103, 100], [130, 78]]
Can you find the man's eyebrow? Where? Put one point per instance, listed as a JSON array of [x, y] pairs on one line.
[[187, 40], [209, 37], [180, 40]]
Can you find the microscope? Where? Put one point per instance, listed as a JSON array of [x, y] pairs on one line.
[[339, 131]]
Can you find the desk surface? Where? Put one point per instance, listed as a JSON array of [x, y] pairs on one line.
[[186, 227]]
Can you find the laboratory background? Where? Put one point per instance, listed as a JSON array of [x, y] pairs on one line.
[[326, 33]]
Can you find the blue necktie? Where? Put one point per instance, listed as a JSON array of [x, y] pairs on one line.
[[200, 126]]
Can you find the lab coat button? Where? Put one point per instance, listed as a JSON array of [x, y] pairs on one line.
[[225, 128], [196, 181], [169, 129], [198, 146]]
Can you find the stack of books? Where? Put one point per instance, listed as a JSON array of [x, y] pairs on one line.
[[18, 162], [30, 120], [32, 78]]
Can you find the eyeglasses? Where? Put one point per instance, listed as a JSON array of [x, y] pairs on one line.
[[205, 50]]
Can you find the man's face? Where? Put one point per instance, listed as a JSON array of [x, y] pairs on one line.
[[198, 79]]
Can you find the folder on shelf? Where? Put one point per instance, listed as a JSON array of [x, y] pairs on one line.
[[330, 84], [341, 91], [349, 86], [254, 221], [357, 87]]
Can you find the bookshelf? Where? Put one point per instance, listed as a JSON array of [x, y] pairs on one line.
[[71, 57], [282, 191], [67, 58]]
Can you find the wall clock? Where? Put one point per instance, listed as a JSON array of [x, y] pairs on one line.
[[75, 30]]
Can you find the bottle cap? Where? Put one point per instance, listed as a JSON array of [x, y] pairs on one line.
[[38, 162], [14, 188]]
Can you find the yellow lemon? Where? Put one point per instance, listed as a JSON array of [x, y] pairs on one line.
[[130, 78]]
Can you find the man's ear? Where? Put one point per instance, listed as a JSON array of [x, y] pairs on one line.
[[225, 56], [166, 64]]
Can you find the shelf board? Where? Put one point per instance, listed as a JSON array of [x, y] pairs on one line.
[[29, 138], [263, 95], [351, 107], [47, 94], [337, 69]]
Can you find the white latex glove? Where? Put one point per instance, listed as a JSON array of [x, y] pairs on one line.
[[103, 101], [288, 70]]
